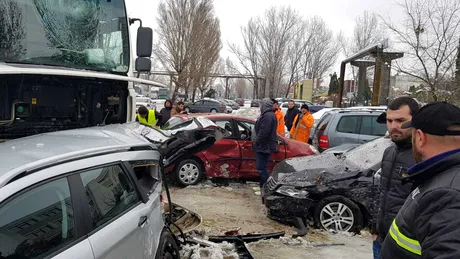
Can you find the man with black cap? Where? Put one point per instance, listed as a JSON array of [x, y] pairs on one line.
[[428, 224], [396, 160], [302, 125]]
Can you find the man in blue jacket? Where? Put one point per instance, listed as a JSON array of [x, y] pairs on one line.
[[266, 140]]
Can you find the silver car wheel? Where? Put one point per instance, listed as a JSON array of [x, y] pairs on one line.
[[213, 111], [187, 109], [337, 216], [189, 174]]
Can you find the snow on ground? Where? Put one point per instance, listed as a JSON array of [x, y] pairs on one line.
[[220, 251], [224, 208]]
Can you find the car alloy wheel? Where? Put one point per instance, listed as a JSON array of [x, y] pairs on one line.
[[213, 111], [189, 174], [337, 216], [187, 109]]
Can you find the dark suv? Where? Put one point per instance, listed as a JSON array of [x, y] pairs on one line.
[[339, 127]]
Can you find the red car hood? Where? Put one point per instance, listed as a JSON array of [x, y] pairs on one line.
[[298, 148]]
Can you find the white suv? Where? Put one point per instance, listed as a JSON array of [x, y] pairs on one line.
[[90, 193]]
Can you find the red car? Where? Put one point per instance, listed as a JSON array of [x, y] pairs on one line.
[[232, 156]]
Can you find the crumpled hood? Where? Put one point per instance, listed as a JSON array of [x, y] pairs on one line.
[[305, 171], [266, 105]]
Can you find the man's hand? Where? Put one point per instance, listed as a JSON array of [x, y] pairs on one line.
[[374, 237]]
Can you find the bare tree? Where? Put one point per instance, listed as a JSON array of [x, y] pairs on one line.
[[277, 30], [249, 54], [11, 31], [240, 87], [186, 30], [429, 35]]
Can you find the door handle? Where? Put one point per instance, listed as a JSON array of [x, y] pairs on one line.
[[142, 221]]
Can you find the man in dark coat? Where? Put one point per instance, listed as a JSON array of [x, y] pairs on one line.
[[291, 112], [428, 224], [266, 139], [165, 113], [396, 160]]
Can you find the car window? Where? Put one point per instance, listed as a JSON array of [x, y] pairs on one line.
[[370, 126], [110, 193], [245, 129], [37, 222], [198, 103], [147, 173], [348, 124], [227, 125], [176, 122]]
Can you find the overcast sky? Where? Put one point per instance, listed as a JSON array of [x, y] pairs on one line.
[[340, 15]]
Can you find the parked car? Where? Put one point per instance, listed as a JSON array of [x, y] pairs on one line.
[[91, 193], [298, 103], [233, 104], [255, 103], [333, 192], [205, 106], [355, 126], [240, 101], [232, 156]]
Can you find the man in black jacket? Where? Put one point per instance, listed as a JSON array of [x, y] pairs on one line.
[[165, 113], [396, 161], [290, 114], [428, 224], [266, 139]]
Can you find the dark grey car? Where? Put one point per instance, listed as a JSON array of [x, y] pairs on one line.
[[205, 106]]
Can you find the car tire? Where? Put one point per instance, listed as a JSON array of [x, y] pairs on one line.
[[213, 111], [187, 109], [188, 172], [338, 213], [167, 248]]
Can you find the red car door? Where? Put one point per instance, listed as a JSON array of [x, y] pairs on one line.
[[224, 157], [248, 157]]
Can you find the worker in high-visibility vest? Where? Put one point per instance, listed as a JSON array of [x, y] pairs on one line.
[[302, 125], [280, 128], [147, 117]]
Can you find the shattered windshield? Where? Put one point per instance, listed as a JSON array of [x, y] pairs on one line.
[[84, 34], [369, 154]]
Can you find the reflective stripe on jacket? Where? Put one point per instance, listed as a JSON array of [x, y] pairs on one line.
[[427, 225], [152, 121], [300, 131]]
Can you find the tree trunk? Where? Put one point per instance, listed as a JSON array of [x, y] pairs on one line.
[[193, 94]]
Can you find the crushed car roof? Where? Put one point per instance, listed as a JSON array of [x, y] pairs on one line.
[[40, 149]]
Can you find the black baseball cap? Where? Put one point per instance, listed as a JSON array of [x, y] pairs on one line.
[[434, 118]]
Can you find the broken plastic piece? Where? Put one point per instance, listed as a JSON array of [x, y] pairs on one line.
[[233, 232]]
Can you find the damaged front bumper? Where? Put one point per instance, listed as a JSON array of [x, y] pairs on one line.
[[285, 203]]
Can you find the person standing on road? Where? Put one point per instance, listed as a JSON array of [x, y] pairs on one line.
[[428, 224], [178, 109], [291, 112], [266, 140], [395, 162], [279, 117], [165, 113], [302, 125]]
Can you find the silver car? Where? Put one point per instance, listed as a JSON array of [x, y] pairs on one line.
[[90, 193]]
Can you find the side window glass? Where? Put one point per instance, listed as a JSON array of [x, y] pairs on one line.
[[110, 193], [147, 173], [38, 222], [227, 125], [348, 124], [378, 129], [245, 129], [366, 125]]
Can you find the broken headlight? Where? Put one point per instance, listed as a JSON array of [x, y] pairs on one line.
[[292, 192]]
